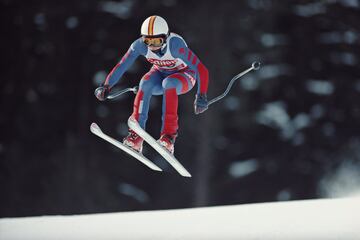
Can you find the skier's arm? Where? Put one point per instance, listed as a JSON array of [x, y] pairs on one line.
[[180, 50], [137, 48]]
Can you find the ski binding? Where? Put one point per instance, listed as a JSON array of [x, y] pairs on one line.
[[134, 125]]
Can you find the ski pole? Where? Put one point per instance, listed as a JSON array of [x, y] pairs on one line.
[[254, 66], [117, 94]]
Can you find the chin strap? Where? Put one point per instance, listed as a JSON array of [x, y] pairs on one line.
[[163, 46]]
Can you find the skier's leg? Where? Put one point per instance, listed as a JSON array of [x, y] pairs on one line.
[[149, 84], [173, 85]]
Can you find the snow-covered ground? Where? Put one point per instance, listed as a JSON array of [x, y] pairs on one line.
[[311, 219]]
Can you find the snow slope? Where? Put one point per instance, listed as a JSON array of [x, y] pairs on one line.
[[311, 219]]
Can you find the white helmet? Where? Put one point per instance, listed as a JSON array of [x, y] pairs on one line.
[[154, 26]]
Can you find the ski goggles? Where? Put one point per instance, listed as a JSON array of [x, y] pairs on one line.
[[154, 41]]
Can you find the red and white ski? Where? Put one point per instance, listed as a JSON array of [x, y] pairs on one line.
[[95, 129], [134, 125]]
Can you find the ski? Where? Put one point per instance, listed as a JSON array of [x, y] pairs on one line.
[[95, 129], [134, 125]]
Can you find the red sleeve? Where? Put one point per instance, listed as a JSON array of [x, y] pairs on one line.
[[203, 78], [180, 50]]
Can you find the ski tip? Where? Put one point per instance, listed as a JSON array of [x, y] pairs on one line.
[[94, 127], [186, 175], [131, 120]]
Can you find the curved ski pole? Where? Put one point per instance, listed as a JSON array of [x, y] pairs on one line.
[[117, 94], [254, 66]]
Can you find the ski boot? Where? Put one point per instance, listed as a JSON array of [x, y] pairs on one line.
[[133, 141], [168, 142]]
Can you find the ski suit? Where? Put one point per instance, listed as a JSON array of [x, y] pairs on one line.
[[175, 71]]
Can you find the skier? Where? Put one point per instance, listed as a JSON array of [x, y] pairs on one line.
[[175, 71]]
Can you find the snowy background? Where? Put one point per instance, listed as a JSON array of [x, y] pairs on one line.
[[290, 131]]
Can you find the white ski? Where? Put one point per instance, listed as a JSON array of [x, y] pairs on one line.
[[95, 129], [134, 125]]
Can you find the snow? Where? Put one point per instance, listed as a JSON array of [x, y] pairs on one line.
[[338, 37], [118, 9], [99, 77], [317, 111], [343, 182], [320, 87], [328, 129], [346, 58], [134, 192], [274, 71], [350, 3], [72, 22], [40, 19], [272, 40], [284, 195], [274, 114], [311, 219], [232, 103], [243, 168], [270, 71], [310, 9]]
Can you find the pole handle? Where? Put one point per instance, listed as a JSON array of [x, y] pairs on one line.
[[121, 92]]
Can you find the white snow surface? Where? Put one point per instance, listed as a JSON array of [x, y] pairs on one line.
[[308, 219]]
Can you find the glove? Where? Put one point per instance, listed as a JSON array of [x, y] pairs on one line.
[[102, 92], [200, 103]]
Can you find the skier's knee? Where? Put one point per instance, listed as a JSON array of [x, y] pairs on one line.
[[170, 83], [145, 85]]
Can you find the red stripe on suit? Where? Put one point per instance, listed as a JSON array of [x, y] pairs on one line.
[[194, 60], [189, 54], [204, 78], [184, 82], [137, 105], [170, 116]]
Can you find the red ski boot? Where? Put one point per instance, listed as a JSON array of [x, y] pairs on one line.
[[134, 141], [168, 141]]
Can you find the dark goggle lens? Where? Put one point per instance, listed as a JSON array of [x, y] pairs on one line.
[[156, 42]]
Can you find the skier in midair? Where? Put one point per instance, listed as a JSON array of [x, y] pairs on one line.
[[175, 71]]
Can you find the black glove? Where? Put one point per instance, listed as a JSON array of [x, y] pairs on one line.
[[200, 103], [102, 92]]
